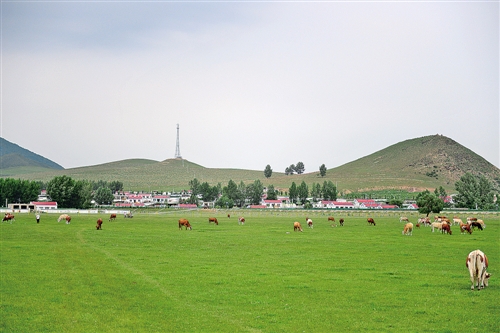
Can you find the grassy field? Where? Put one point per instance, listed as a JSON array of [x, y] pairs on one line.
[[144, 275]]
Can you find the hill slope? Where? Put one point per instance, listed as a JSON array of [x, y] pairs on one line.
[[13, 156], [412, 165]]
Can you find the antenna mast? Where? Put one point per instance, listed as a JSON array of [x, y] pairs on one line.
[[177, 148]]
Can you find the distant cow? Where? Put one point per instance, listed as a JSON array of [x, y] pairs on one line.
[[99, 224], [185, 223], [477, 263], [112, 217], [476, 224], [213, 219], [404, 218], [228, 216], [370, 221], [456, 220], [331, 218], [241, 220], [128, 215], [341, 221], [438, 225], [408, 229], [446, 228], [309, 223], [297, 226]]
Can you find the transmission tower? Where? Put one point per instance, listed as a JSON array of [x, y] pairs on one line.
[[177, 148]]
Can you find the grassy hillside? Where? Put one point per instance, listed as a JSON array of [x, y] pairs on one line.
[[412, 165], [12, 156]]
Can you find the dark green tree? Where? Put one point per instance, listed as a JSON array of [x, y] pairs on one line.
[[272, 194], [474, 192], [329, 190], [242, 195], [428, 202], [254, 192], [300, 168], [194, 186], [268, 171], [103, 196], [303, 192], [322, 170], [292, 193]]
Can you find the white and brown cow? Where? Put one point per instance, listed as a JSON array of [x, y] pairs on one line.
[[309, 223], [477, 263]]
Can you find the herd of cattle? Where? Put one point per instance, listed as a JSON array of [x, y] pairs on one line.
[[476, 262]]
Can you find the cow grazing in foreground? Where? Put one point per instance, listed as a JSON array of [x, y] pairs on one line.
[[370, 221], [214, 220], [99, 224], [437, 225], [477, 263], [8, 217], [241, 220], [184, 223], [476, 224], [341, 221], [404, 219], [331, 218], [309, 223], [446, 228], [408, 229], [112, 217], [297, 226], [63, 217], [464, 227]]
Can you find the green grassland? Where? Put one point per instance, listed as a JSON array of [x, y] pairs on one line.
[[145, 275]]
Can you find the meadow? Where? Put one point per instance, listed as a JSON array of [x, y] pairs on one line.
[[145, 275]]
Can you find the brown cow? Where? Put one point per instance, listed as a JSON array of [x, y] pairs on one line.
[[341, 221], [68, 219], [370, 221], [241, 220], [297, 227], [185, 223], [99, 224], [8, 217], [213, 219], [464, 227], [445, 228], [112, 217], [309, 223], [476, 224], [408, 229], [331, 218]]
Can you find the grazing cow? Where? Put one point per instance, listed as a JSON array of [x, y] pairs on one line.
[[62, 217], [241, 220], [341, 221], [404, 218], [99, 224], [408, 229], [8, 217], [331, 218], [464, 227], [309, 223], [438, 225], [446, 228], [476, 224], [417, 225], [185, 223], [456, 220], [477, 263], [297, 226], [426, 221], [213, 219], [471, 219], [112, 217], [370, 221], [128, 215], [228, 216]]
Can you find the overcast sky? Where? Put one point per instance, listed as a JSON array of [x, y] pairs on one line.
[[249, 83]]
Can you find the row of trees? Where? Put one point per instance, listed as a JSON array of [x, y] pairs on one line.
[[67, 192], [299, 169]]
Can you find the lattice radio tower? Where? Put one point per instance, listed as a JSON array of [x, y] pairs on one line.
[[177, 148]]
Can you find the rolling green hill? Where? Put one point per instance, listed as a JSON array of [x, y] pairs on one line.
[[412, 165], [14, 156]]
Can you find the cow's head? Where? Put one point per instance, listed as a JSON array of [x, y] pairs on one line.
[[486, 278]]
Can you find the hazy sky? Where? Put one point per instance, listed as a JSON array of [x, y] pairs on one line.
[[250, 83]]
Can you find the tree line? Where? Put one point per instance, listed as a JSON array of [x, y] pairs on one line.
[[67, 192]]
